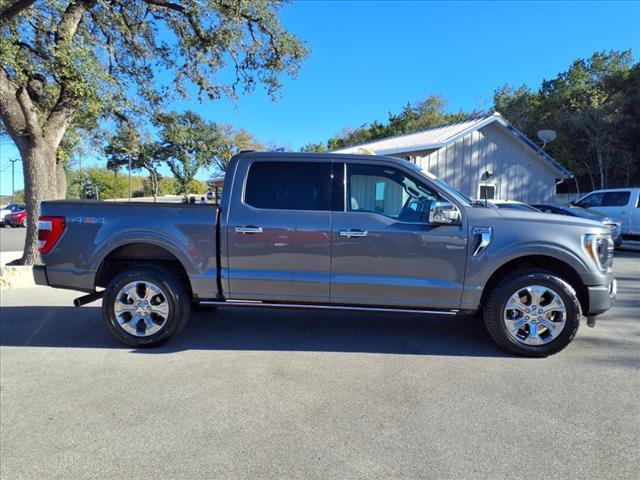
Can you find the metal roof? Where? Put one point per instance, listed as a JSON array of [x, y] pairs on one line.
[[441, 136]]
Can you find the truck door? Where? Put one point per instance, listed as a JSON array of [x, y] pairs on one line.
[[279, 231], [385, 252]]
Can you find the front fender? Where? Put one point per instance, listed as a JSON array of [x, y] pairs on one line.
[[481, 268]]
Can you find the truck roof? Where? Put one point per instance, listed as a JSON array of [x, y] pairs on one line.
[[299, 155]]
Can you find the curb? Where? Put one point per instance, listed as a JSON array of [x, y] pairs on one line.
[[16, 277]]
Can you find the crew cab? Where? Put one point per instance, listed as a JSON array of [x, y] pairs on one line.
[[335, 232]]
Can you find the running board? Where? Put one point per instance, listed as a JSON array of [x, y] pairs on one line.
[[257, 303]]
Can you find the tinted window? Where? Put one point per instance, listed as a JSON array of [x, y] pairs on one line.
[[337, 187], [615, 199], [593, 200], [389, 192], [289, 186]]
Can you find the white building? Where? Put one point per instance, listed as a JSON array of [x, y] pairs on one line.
[[482, 156]]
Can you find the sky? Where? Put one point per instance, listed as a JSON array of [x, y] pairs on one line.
[[370, 58]]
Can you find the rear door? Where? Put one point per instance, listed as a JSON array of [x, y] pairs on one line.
[[279, 231], [385, 252]]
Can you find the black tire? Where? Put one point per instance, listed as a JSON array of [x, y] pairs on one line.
[[495, 304], [173, 291]]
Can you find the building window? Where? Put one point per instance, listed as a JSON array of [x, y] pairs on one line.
[[487, 192]]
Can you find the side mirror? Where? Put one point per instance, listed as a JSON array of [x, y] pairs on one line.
[[444, 213]]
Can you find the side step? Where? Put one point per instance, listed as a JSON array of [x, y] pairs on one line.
[[314, 306]]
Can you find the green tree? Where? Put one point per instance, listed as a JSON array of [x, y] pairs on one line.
[[314, 147], [231, 142], [66, 63], [427, 113], [97, 183], [126, 149], [186, 144], [593, 107]]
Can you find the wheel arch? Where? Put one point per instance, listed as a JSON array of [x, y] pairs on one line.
[[139, 254], [554, 265]]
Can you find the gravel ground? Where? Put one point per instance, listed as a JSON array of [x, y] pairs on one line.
[[290, 394]]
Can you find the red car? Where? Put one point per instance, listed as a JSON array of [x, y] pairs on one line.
[[18, 219]]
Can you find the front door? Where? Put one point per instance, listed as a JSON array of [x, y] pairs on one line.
[[279, 231], [385, 252]]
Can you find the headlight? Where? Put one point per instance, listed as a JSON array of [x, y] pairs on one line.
[[600, 249]]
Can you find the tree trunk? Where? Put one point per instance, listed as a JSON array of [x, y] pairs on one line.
[[600, 166], [593, 183], [154, 185], [61, 181], [37, 188]]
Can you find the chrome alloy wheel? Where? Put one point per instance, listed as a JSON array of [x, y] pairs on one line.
[[141, 308], [535, 315]]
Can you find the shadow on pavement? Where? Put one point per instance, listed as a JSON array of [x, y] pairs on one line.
[[263, 330]]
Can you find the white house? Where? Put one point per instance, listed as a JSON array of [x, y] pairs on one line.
[[481, 157]]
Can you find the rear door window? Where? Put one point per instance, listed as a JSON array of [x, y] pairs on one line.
[[289, 186]]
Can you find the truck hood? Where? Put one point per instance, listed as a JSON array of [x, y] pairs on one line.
[[497, 215]]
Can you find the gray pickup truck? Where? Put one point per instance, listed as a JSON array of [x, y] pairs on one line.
[[335, 232]]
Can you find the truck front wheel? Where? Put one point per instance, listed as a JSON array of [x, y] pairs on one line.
[[532, 312], [145, 306]]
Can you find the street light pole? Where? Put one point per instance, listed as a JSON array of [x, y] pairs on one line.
[[13, 179]]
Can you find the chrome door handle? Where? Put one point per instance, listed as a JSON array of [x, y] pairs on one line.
[[353, 233], [248, 229]]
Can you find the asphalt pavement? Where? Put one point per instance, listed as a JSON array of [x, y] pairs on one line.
[[293, 394], [12, 239]]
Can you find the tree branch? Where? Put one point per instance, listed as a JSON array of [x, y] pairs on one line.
[[65, 107], [170, 5], [30, 113], [12, 10], [10, 111]]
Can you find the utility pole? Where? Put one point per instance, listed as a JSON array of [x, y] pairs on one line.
[[129, 177], [13, 179]]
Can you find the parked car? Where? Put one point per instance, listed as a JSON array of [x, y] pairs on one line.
[[510, 204], [11, 208], [335, 232], [574, 211], [618, 203], [17, 219]]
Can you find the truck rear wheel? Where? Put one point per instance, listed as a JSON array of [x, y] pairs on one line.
[[145, 306], [533, 313]]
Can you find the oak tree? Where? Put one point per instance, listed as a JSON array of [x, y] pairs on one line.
[[65, 61]]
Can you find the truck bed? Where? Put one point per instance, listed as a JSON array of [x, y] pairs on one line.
[[178, 235]]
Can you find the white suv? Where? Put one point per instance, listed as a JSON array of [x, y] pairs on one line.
[[617, 203]]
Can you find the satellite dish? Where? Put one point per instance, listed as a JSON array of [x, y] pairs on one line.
[[547, 136]]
